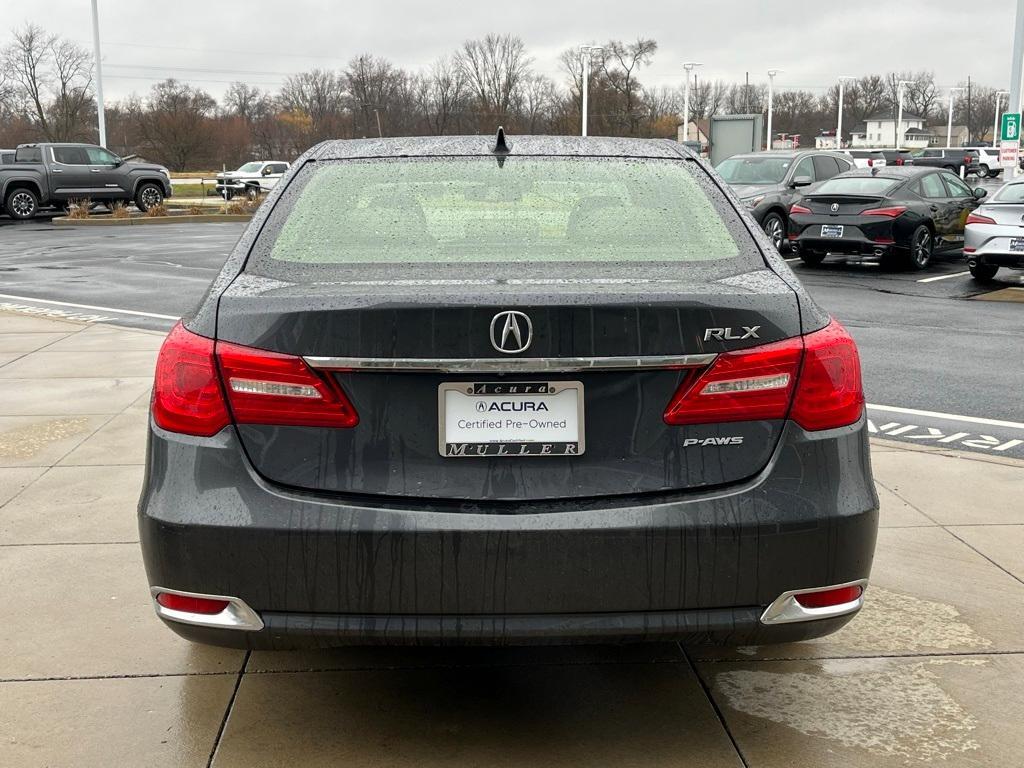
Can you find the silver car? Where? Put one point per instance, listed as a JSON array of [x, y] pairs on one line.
[[994, 235]]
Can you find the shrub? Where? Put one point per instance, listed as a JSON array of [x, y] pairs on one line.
[[119, 211], [156, 210], [79, 209], [235, 209]]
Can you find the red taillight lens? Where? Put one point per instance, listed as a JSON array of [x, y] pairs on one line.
[[275, 389], [815, 379], [829, 392], [829, 597], [871, 162], [797, 208], [187, 397], [748, 385], [201, 605], [899, 161], [892, 212], [977, 218]]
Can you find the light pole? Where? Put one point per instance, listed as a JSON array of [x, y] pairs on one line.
[[586, 51], [949, 119], [376, 114], [899, 114], [995, 120], [689, 66], [839, 122], [771, 91], [99, 74]]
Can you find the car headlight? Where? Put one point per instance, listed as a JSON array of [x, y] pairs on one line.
[[753, 202], [166, 173]]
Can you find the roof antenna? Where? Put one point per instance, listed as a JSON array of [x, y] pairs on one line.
[[500, 147]]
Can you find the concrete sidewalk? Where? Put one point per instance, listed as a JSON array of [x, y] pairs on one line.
[[931, 673]]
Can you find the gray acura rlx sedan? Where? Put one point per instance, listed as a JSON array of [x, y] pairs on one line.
[[524, 390]]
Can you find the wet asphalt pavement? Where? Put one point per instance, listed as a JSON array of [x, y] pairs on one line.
[[942, 345]]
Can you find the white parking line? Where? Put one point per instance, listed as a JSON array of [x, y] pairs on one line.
[[30, 299], [949, 416], [942, 277]]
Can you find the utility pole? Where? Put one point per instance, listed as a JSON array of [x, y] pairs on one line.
[[899, 115], [949, 118], [969, 135], [771, 88], [100, 112], [995, 120], [688, 67], [746, 92], [585, 53], [839, 122], [1013, 105]]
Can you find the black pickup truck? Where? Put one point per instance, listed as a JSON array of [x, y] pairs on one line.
[[55, 174]]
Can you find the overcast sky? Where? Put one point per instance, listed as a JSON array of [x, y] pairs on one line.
[[813, 42]]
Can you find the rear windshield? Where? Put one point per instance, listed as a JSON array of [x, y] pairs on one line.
[[856, 185], [461, 211], [1011, 193], [754, 170], [28, 155]]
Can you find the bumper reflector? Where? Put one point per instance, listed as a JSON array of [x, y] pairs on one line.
[[217, 611], [820, 603]]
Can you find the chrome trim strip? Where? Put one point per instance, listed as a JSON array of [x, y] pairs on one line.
[[786, 610], [237, 615], [510, 365]]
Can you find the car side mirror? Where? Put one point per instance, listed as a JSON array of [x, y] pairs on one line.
[[980, 193], [801, 181], [266, 171]]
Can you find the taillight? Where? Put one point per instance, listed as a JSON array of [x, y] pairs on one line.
[[899, 161], [977, 218], [187, 397], [276, 389], [871, 163], [829, 392], [814, 379], [748, 385], [797, 208], [892, 212], [261, 387]]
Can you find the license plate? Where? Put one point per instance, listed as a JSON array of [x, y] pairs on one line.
[[831, 230], [1017, 243], [510, 419]]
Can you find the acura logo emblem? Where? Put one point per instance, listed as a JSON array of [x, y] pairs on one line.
[[835, 207], [511, 332]]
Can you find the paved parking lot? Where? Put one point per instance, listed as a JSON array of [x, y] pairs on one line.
[[931, 673]]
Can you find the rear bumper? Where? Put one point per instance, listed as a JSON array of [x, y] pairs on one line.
[[699, 567], [859, 236]]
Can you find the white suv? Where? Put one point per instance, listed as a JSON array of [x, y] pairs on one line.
[[988, 162]]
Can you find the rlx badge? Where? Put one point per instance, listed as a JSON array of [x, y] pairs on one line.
[[728, 334]]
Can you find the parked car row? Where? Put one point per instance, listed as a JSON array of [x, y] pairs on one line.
[[994, 235], [817, 203]]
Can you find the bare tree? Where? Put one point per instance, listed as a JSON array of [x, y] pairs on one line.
[[318, 94], [620, 63], [372, 83], [441, 96], [494, 68], [175, 123], [247, 101], [49, 82]]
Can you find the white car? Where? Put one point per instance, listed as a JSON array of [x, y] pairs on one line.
[[867, 158], [989, 162], [252, 179]]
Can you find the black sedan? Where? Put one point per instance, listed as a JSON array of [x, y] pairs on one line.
[[900, 215], [534, 390]]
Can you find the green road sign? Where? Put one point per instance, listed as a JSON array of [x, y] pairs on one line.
[[1010, 128]]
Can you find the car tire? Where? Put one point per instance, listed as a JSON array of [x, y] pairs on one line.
[[983, 170], [148, 195], [922, 243], [811, 258], [22, 204], [983, 273], [252, 193], [775, 227], [992, 174]]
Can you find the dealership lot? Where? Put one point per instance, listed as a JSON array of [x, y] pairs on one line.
[[90, 675]]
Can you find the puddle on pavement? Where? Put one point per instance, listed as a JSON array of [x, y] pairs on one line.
[[890, 708], [891, 622], [27, 441]]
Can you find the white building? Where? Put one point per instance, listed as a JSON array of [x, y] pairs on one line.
[[880, 131]]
